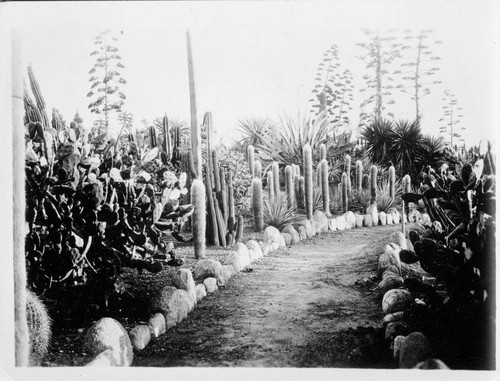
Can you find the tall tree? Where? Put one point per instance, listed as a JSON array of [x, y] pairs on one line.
[[106, 79], [420, 69], [380, 52], [333, 89], [452, 117]]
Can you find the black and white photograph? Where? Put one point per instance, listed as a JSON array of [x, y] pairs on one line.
[[243, 189]]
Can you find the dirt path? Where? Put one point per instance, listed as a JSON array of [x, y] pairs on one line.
[[305, 307]]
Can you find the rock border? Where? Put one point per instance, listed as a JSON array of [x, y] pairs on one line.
[[176, 302], [410, 348]]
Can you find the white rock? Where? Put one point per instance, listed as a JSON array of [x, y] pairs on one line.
[[266, 249], [321, 221], [175, 304], [399, 239], [282, 241], [382, 217], [107, 333], [201, 292], [183, 279], [289, 229], [288, 238], [373, 211], [340, 223], [332, 224], [368, 220], [140, 336], [302, 232], [253, 245], [210, 285], [398, 342], [350, 220], [157, 324], [272, 235], [359, 220], [389, 219], [207, 268], [431, 364]]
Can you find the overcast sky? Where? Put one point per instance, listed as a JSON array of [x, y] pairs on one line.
[[256, 59]]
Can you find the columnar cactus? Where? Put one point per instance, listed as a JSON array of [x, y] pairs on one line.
[[289, 186], [195, 127], [296, 170], [359, 175], [407, 184], [322, 152], [199, 218], [301, 194], [373, 184], [308, 178], [39, 324], [214, 231], [239, 229], [270, 186], [324, 186], [231, 221], [251, 159], [166, 138], [215, 162], [153, 141], [392, 182], [276, 178], [223, 194], [348, 172], [345, 197], [208, 123], [366, 181], [257, 208], [257, 169]]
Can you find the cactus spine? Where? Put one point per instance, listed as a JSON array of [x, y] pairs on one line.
[[270, 185], [392, 182], [348, 172], [373, 184], [199, 218], [308, 178], [325, 191], [322, 152], [359, 175], [289, 185], [39, 326], [257, 169], [276, 178], [251, 160], [258, 217], [195, 128], [345, 197]]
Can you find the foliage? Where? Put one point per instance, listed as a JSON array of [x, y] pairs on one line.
[[333, 89], [403, 145], [379, 53], [418, 70], [286, 140], [452, 117], [125, 118], [458, 249], [232, 159], [278, 213], [105, 78], [255, 131]]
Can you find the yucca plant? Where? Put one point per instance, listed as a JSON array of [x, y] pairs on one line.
[[378, 136], [278, 213], [254, 131], [286, 140]]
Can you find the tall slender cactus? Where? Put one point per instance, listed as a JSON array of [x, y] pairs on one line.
[[251, 160], [322, 151], [392, 182], [289, 186], [324, 187], [373, 184], [348, 172], [359, 175], [270, 186], [195, 128], [257, 169], [257, 208], [214, 231], [308, 178], [199, 218], [345, 195], [276, 178]]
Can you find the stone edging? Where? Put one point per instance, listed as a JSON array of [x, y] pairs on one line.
[[173, 304], [410, 348]]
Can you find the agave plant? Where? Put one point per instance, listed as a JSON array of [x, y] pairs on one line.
[[278, 213], [285, 141], [384, 200], [254, 130]]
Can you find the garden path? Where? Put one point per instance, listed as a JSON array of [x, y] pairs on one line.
[[312, 305]]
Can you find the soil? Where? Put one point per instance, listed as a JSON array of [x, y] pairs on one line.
[[312, 305]]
